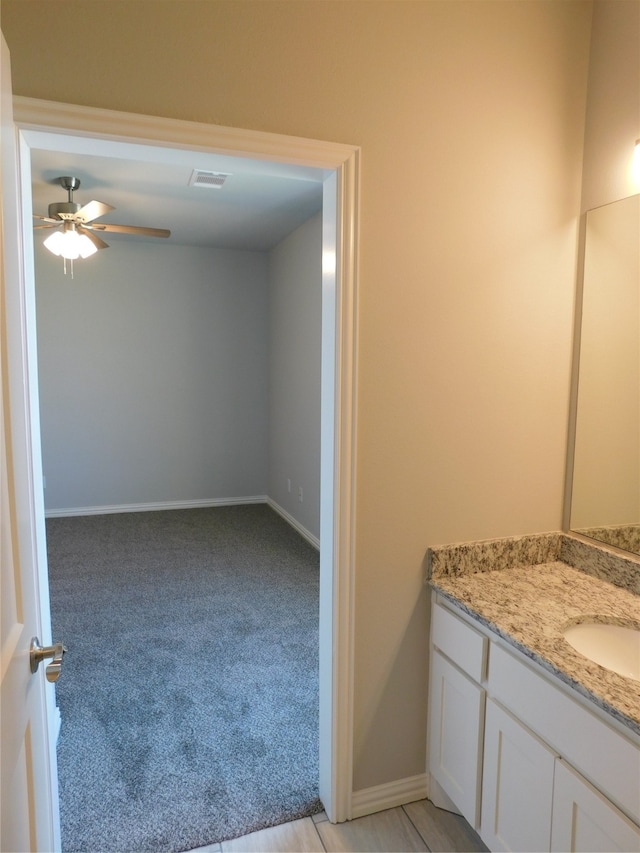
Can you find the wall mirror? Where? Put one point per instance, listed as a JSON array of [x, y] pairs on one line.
[[605, 499]]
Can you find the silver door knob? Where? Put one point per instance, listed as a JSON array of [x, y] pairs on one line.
[[38, 653]]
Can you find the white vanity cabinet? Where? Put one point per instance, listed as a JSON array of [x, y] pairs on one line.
[[517, 785], [528, 765], [456, 723], [455, 735], [585, 820]]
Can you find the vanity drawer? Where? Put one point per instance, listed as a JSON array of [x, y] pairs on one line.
[[459, 642], [606, 758]]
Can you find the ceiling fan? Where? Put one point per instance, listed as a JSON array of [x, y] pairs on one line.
[[75, 235]]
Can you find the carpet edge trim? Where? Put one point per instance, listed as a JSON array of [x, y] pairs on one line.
[[389, 795]]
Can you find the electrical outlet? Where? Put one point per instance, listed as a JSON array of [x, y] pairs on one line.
[[288, 485], [300, 494]]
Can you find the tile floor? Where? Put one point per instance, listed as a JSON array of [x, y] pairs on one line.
[[416, 826]]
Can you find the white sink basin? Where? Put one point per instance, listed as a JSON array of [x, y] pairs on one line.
[[613, 646]]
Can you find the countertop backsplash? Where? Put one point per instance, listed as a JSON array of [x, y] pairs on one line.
[[490, 555]]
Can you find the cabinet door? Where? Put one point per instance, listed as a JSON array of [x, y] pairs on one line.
[[455, 735], [517, 785], [584, 820]]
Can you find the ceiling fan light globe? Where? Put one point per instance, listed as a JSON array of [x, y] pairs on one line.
[[54, 243], [86, 247], [70, 245]]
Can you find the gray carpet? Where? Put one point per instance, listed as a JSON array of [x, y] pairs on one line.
[[189, 693]]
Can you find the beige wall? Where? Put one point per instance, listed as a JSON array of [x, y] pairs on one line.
[[613, 105], [471, 119]]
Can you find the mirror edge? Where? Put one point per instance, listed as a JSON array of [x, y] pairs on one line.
[[574, 383], [575, 373]]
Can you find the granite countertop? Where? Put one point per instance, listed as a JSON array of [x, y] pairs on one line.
[[528, 590]]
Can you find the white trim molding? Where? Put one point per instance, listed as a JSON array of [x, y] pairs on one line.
[[338, 478], [112, 509], [67, 127], [131, 128], [389, 795]]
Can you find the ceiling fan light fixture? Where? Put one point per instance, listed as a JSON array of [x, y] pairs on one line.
[[75, 229], [69, 244]]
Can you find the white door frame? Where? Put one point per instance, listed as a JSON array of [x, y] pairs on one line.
[[44, 124]]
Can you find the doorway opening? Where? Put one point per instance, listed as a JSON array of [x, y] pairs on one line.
[[59, 127], [161, 377]]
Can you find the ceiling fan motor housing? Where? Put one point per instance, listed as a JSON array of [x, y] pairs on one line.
[[58, 209], [66, 209]]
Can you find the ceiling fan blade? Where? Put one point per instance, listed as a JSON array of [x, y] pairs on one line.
[[46, 219], [92, 210], [98, 242], [132, 229], [48, 225]]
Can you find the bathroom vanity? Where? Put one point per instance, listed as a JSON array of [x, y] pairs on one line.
[[536, 745]]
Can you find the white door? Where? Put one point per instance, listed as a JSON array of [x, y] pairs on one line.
[[28, 790]]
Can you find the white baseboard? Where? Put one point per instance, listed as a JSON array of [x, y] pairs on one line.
[[151, 507], [388, 796], [311, 539], [68, 512]]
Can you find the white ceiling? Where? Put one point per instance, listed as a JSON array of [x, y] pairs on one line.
[[260, 203]]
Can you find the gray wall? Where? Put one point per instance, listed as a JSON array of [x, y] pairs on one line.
[[153, 375], [295, 294]]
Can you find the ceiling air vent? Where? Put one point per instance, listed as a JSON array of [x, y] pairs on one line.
[[202, 178]]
